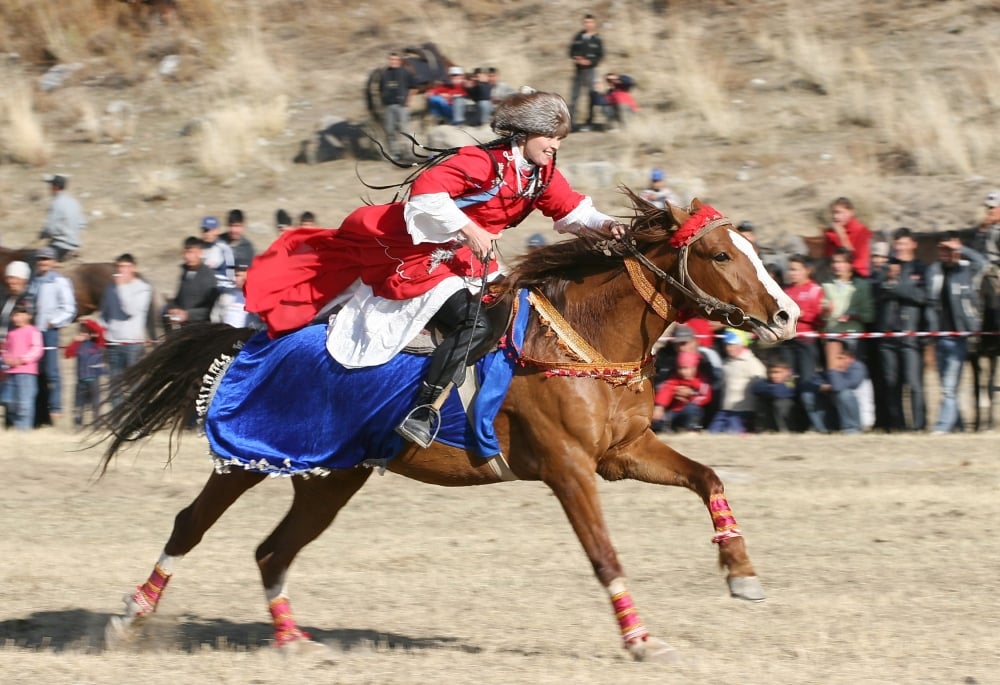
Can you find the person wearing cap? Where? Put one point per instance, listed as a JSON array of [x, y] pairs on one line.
[[55, 308], [536, 241], [740, 369], [657, 193], [952, 307], [13, 291], [125, 307], [235, 237], [680, 401], [398, 267], [900, 292], [446, 101], [64, 222], [586, 51], [396, 85], [216, 254]]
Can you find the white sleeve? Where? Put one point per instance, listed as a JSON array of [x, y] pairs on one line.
[[433, 218], [583, 216]]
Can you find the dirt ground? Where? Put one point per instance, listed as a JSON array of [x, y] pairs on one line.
[[876, 558]]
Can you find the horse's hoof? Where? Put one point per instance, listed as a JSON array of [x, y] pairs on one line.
[[302, 645], [746, 587], [116, 632], [655, 650]]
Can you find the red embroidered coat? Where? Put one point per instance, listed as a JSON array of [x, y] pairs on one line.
[[306, 268]]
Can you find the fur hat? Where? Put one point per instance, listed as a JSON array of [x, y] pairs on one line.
[[544, 114], [18, 270]]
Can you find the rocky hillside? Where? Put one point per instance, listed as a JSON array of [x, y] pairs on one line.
[[767, 109]]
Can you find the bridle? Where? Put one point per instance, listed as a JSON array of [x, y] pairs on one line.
[[696, 226]]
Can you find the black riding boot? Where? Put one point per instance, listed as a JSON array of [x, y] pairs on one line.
[[471, 335]]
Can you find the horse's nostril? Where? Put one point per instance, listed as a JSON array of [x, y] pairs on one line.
[[781, 317]]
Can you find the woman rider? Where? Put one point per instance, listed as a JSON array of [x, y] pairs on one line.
[[394, 268]]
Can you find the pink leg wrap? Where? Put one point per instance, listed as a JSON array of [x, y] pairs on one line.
[[628, 618], [285, 630], [147, 595], [723, 519]]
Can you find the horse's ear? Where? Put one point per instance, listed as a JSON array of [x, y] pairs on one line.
[[695, 205]]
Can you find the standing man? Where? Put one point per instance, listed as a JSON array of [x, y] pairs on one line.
[[900, 296], [952, 305], [196, 290], [55, 308], [236, 239], [217, 255], [64, 221], [586, 51], [125, 313], [394, 87]]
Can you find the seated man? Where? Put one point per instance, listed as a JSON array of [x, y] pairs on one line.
[[833, 403]]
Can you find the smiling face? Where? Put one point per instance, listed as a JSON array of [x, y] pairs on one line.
[[540, 150]]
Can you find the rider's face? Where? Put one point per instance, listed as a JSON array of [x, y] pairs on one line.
[[540, 149]]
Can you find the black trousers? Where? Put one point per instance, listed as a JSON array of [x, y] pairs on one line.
[[469, 336]]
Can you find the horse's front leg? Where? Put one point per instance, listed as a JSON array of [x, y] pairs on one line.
[[649, 460], [573, 485]]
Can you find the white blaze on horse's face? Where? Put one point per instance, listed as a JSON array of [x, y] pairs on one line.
[[771, 331]]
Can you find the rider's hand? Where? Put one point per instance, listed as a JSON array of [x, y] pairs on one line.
[[479, 240], [616, 228]]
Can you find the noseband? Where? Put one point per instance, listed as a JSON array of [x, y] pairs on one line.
[[697, 226]]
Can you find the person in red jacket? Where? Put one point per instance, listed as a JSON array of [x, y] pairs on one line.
[[846, 231], [803, 350], [680, 400], [395, 267]]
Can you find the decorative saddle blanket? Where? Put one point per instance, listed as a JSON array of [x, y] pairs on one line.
[[285, 407]]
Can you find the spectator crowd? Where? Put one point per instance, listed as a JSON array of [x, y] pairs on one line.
[[866, 328]]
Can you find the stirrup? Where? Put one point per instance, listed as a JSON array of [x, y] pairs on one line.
[[418, 431]]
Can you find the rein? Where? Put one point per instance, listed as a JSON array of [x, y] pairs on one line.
[[686, 284]]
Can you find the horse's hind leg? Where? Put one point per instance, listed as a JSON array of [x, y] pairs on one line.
[[316, 503], [190, 526], [649, 460]]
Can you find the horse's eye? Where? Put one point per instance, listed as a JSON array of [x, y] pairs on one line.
[[721, 257]]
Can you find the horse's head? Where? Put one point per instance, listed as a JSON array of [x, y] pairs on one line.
[[721, 276]]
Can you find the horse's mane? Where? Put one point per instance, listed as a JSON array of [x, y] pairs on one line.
[[549, 268]]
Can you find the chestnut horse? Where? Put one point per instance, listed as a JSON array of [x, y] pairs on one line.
[[579, 404]]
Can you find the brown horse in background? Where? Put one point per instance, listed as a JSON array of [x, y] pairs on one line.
[[579, 405], [89, 279]]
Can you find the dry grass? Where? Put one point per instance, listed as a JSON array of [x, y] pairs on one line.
[[22, 136]]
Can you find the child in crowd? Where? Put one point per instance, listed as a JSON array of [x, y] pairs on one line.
[[740, 369], [22, 349], [88, 350], [775, 397], [230, 306], [657, 193], [681, 399]]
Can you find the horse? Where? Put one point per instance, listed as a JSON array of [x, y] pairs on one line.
[[578, 404], [90, 279]]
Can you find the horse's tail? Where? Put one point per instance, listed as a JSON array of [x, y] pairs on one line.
[[160, 391]]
